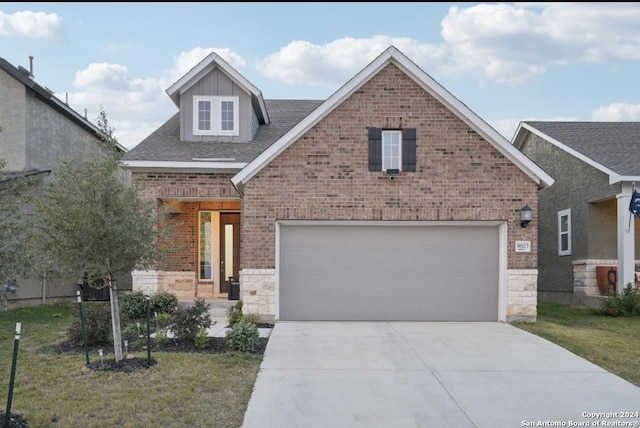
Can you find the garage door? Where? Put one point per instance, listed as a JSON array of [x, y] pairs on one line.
[[388, 272]]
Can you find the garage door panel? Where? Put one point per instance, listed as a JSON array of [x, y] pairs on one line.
[[411, 273]]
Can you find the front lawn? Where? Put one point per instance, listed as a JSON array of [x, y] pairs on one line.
[[187, 389], [612, 343]]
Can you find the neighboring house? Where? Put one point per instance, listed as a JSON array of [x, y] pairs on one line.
[[38, 132], [584, 220], [390, 200]]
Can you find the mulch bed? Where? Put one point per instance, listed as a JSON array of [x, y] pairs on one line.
[[15, 421], [138, 345]]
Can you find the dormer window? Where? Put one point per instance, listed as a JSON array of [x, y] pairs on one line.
[[215, 115]]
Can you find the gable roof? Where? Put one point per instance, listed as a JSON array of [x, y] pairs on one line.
[[26, 78], [611, 147], [210, 62], [393, 55], [163, 148]]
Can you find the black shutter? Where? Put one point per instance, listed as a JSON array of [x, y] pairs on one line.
[[375, 149], [409, 149]]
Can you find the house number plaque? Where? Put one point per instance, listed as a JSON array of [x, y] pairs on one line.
[[523, 246]]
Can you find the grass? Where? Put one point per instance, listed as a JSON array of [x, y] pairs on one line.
[[612, 343], [58, 390], [213, 390]]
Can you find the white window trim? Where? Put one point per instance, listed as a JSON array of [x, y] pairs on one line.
[[216, 115], [384, 159], [561, 214]]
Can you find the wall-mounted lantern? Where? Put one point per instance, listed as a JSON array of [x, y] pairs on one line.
[[526, 214]]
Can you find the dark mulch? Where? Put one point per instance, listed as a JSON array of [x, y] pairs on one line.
[[136, 356], [15, 421]]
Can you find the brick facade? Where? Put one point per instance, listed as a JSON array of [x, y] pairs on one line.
[[188, 194], [324, 175]]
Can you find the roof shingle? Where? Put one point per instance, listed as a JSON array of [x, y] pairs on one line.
[[164, 144]]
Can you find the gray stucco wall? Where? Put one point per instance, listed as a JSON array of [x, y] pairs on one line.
[[12, 122], [577, 187], [51, 138]]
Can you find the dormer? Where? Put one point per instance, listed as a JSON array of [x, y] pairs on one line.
[[217, 104]]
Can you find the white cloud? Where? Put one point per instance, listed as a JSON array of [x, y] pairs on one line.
[[135, 106], [617, 112], [509, 44], [185, 61], [103, 75], [513, 43], [332, 64], [33, 25]]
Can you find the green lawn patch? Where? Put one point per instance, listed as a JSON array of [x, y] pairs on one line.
[[187, 389], [612, 343]]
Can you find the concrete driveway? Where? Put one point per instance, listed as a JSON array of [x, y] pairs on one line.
[[427, 374]]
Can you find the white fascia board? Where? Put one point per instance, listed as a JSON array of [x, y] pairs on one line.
[[428, 84], [184, 165], [614, 177]]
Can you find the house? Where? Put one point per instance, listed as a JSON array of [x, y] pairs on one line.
[[585, 224], [390, 200], [38, 132]]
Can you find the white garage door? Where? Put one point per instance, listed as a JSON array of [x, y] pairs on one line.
[[388, 272]]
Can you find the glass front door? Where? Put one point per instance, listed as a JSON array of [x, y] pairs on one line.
[[229, 249]]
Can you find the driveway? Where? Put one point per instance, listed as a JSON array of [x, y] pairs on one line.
[[427, 374]]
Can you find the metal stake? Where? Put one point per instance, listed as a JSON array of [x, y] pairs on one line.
[[7, 415], [148, 330]]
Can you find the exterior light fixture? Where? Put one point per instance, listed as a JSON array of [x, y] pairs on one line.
[[391, 173], [526, 214]]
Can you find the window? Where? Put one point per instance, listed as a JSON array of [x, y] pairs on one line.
[[392, 149], [564, 233], [215, 115], [206, 251]]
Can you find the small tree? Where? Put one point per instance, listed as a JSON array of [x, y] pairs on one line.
[[89, 222]]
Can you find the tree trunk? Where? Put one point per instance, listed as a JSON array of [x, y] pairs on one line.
[[115, 320]]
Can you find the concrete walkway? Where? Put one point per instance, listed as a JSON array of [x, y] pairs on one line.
[[218, 313], [412, 374]]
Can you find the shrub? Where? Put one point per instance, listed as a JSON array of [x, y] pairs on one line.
[[133, 304], [201, 339], [163, 319], [252, 318], [627, 304], [164, 302], [234, 315], [243, 337], [97, 321], [188, 322], [160, 338]]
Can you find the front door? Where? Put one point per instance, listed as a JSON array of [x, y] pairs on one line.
[[229, 249]]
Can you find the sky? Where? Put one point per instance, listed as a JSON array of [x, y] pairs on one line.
[[508, 62]]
